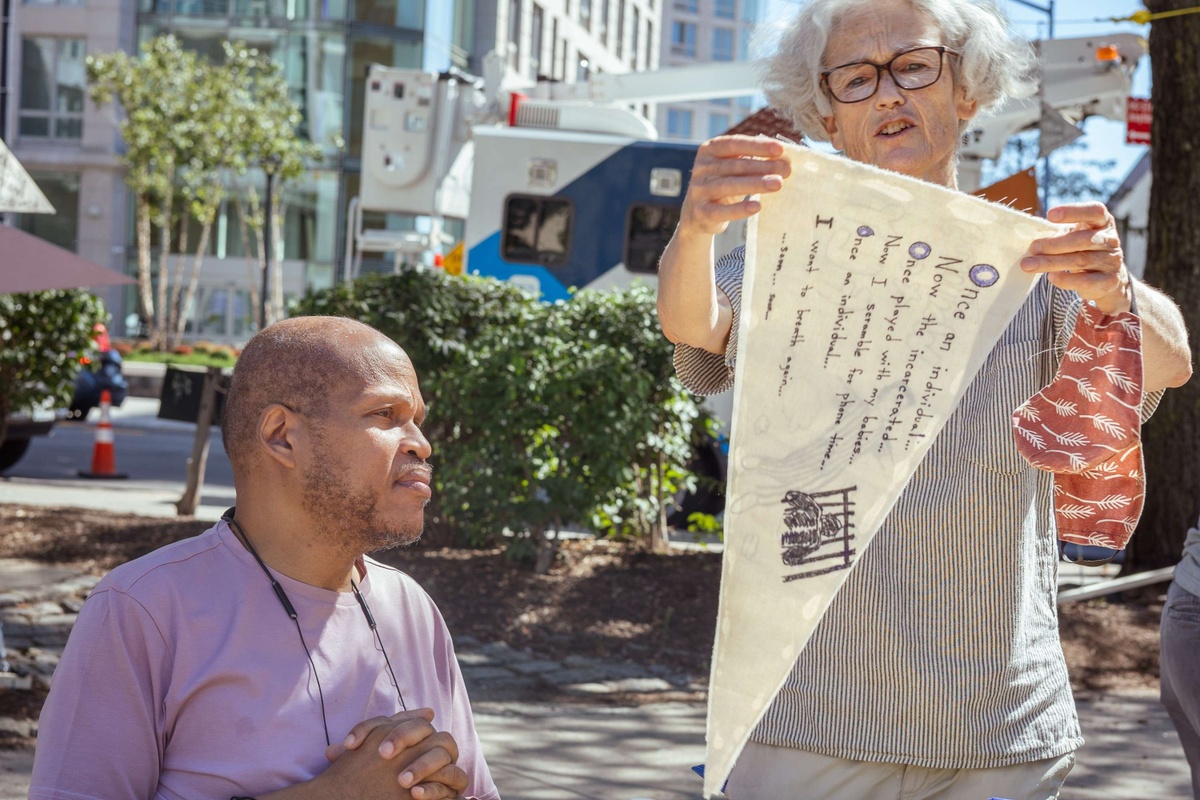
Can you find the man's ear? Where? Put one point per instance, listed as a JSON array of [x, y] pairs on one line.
[[278, 429], [835, 135]]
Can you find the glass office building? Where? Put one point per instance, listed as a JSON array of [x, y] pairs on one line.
[[325, 47]]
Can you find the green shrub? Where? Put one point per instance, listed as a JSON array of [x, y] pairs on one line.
[[540, 416], [42, 335]]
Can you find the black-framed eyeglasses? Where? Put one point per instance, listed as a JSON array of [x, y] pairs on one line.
[[912, 69]]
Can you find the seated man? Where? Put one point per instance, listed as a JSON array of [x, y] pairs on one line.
[[268, 657]]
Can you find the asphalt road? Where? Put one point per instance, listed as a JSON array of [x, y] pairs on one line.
[[153, 453], [144, 454]]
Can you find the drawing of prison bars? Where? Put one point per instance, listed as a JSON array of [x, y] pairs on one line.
[[819, 532]]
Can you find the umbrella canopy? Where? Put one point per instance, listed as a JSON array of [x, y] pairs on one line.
[[29, 264]]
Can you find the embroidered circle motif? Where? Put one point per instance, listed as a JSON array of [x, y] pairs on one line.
[[919, 250], [984, 275]]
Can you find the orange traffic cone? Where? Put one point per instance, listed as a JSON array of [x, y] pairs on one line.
[[104, 456]]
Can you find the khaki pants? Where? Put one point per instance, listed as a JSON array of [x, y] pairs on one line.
[[764, 772]]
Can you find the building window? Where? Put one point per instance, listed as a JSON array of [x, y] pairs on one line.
[[537, 230], [585, 14], [634, 44], [683, 39], [535, 43], [53, 86], [647, 233], [620, 49], [602, 23], [679, 123], [581, 68], [690, 6], [649, 43], [396, 13], [725, 9], [722, 44], [514, 34], [717, 124], [61, 227]]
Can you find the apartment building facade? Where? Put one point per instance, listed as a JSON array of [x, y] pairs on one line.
[[567, 40], [704, 31]]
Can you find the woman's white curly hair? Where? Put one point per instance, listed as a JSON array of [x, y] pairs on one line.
[[994, 63]]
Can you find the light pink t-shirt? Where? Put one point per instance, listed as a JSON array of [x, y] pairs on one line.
[[184, 678]]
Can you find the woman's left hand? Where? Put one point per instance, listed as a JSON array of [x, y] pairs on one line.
[[1087, 259]]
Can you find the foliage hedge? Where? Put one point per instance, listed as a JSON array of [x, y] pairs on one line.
[[541, 416], [42, 335]]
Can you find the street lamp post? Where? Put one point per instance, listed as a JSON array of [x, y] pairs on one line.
[[1048, 10]]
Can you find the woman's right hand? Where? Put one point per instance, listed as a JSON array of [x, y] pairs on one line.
[[726, 171]]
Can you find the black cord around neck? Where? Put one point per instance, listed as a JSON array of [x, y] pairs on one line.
[[362, 601], [291, 612]]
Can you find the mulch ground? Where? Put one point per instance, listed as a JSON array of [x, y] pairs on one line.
[[602, 599]]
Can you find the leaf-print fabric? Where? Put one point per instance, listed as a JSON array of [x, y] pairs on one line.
[[1085, 428]]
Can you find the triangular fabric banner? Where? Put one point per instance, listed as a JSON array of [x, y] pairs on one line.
[[18, 192], [870, 300]]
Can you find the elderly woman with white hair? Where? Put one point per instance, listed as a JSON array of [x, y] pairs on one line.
[[937, 671]]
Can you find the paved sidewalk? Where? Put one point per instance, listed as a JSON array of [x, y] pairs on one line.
[[640, 742]]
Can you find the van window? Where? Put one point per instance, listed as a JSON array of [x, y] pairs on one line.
[[537, 230], [647, 233]]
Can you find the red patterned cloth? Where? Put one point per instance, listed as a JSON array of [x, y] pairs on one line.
[[1086, 428]]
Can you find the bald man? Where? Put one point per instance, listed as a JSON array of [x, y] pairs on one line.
[[269, 657]]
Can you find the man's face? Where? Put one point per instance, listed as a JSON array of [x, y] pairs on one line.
[[365, 474], [922, 124]]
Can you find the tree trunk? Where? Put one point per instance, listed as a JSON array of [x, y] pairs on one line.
[[546, 548], [145, 283], [6, 380], [194, 280], [174, 329], [256, 223], [662, 536], [159, 335], [244, 228], [1172, 437]]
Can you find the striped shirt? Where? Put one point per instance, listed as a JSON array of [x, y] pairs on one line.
[[941, 650]]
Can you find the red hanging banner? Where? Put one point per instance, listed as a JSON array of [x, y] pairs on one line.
[[1138, 114]]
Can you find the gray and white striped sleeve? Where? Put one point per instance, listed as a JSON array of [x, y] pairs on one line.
[[708, 373], [1064, 306]]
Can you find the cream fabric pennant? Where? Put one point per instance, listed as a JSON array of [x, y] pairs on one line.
[[869, 303]]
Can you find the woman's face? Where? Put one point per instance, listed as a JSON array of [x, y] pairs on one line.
[[922, 124]]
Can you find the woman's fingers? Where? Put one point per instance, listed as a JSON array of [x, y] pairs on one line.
[[727, 171], [715, 217], [1090, 285], [735, 187], [1076, 241], [1101, 261], [1093, 214], [737, 145]]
